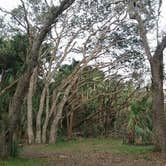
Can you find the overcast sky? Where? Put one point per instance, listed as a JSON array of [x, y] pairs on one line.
[[10, 4]]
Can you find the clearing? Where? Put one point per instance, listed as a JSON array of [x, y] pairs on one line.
[[87, 152]]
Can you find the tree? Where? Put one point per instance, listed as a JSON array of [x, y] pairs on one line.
[[136, 10], [31, 63]]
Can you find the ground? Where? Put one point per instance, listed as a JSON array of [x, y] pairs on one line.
[[87, 152]]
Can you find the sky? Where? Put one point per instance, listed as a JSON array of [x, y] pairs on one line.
[[10, 4]]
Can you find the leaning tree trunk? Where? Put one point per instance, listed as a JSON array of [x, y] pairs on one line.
[[159, 120], [58, 115], [54, 125]]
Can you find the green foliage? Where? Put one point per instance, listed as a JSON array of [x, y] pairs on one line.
[[64, 71], [12, 57], [140, 119], [13, 53], [13, 50]]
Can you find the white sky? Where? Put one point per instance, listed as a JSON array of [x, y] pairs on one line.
[[10, 4]]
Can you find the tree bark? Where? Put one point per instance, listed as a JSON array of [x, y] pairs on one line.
[[58, 115], [70, 125], [45, 125], [159, 119], [30, 131], [54, 125], [39, 116]]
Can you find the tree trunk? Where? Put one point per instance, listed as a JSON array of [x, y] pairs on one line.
[[156, 63], [30, 131], [54, 125], [39, 116], [58, 115], [70, 125], [45, 125], [14, 109], [159, 120], [3, 142]]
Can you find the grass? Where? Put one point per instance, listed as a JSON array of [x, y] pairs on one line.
[[133, 150], [98, 145], [80, 146], [20, 162]]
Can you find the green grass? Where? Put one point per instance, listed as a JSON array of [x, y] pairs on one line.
[[98, 145], [133, 150], [20, 162]]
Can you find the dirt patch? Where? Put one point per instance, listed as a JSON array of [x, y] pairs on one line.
[[91, 158]]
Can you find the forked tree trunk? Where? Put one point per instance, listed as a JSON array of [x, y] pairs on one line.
[[58, 115], [71, 81]]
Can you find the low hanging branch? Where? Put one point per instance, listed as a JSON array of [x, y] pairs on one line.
[[8, 87]]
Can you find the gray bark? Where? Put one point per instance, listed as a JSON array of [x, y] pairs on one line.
[[45, 125], [159, 116], [39, 116], [54, 125], [30, 131]]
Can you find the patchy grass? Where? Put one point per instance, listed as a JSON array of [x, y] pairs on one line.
[[98, 145], [22, 162], [90, 151]]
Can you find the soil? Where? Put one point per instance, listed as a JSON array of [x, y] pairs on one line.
[[90, 158]]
